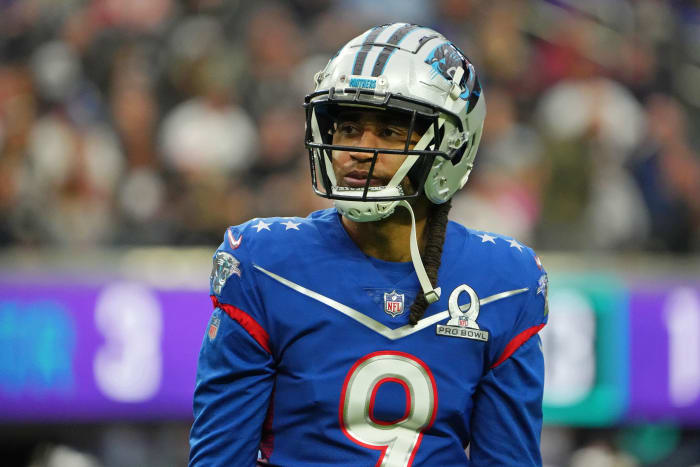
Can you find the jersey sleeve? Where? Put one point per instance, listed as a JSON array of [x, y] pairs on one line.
[[235, 372], [507, 417], [528, 322]]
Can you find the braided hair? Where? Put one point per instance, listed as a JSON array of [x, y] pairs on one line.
[[436, 228]]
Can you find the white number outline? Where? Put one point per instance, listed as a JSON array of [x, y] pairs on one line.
[[397, 362], [681, 316], [128, 366]]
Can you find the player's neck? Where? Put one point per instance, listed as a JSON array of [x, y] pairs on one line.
[[389, 239]]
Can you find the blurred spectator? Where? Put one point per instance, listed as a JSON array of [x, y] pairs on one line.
[[207, 142], [505, 51], [591, 126], [72, 162], [281, 136], [371, 12], [276, 46], [17, 115], [133, 15], [667, 171], [601, 454], [281, 172], [505, 188], [68, 191], [135, 112], [125, 122], [62, 456], [208, 134]]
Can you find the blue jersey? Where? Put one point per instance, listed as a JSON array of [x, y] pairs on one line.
[[309, 358]]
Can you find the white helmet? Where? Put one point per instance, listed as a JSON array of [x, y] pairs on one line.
[[404, 68]]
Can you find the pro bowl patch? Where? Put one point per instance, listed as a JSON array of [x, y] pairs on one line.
[[224, 264]]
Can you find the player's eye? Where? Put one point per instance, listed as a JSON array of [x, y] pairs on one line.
[[348, 129], [392, 133]]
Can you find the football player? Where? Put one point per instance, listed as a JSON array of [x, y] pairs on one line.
[[377, 332]]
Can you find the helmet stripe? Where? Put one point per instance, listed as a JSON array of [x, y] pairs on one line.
[[386, 53], [366, 47]]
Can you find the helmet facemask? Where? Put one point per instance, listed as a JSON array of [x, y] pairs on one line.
[[371, 202]]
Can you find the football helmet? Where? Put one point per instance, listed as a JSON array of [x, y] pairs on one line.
[[414, 71]]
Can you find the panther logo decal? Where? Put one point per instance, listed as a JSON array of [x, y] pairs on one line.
[[224, 265], [445, 59]]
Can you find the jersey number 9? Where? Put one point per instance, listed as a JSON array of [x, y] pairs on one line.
[[398, 440]]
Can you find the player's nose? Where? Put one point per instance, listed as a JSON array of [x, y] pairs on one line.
[[367, 139]]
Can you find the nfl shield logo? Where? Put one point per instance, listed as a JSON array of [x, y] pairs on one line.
[[213, 327], [393, 303]]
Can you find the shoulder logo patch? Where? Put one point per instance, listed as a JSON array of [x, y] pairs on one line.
[[542, 288], [224, 264], [233, 242], [542, 285], [463, 323]]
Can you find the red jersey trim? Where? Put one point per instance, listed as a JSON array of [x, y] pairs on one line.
[[246, 321], [516, 342], [267, 441]]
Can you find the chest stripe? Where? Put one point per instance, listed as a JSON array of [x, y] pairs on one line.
[[374, 325]]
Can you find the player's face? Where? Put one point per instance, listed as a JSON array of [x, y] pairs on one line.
[[370, 129]]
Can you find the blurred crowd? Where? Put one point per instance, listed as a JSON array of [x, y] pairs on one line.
[[129, 122]]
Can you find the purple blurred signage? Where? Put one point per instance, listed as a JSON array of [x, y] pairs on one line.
[[665, 352], [126, 350], [121, 350]]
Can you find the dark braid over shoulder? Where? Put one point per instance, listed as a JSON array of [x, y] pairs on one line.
[[432, 257]]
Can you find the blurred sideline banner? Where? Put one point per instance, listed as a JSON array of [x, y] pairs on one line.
[[118, 338], [586, 350], [119, 351], [665, 351]]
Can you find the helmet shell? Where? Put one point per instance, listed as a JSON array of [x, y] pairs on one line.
[[409, 68]]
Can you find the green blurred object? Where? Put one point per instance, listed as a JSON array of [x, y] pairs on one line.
[[650, 443], [586, 346]]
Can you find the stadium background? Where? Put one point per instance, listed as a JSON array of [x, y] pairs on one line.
[[133, 132]]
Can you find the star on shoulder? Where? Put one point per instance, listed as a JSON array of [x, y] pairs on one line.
[[514, 244], [491, 238], [262, 225], [487, 238], [291, 225]]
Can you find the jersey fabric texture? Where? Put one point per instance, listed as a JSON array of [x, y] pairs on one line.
[[309, 359]]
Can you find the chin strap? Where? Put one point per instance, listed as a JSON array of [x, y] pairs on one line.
[[431, 294]]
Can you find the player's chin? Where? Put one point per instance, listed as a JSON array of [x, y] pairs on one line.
[[350, 182], [406, 186]]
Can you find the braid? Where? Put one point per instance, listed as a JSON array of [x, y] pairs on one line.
[[437, 226]]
